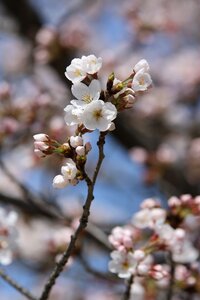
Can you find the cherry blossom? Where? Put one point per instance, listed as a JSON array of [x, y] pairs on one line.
[[98, 115], [85, 94], [141, 81]]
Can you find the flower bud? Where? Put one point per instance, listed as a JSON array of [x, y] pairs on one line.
[[80, 150], [41, 137], [59, 182], [76, 141]]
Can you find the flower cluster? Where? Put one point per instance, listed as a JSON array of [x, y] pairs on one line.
[[153, 230], [92, 108], [7, 235]]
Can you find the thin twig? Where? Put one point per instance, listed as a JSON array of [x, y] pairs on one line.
[[127, 293], [82, 224], [15, 285]]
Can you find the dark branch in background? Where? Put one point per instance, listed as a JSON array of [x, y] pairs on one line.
[[82, 224], [15, 285], [32, 209], [128, 288]]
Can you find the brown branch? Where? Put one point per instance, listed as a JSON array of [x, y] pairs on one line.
[[16, 286], [127, 293], [82, 224]]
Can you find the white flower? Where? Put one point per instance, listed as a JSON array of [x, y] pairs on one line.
[[69, 170], [166, 233], [141, 81], [98, 115], [142, 64], [8, 235], [80, 67], [72, 114], [59, 182], [122, 263], [76, 141], [149, 218], [75, 71], [85, 94], [91, 64], [141, 219]]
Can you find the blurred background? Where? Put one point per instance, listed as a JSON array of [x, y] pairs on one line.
[[154, 151]]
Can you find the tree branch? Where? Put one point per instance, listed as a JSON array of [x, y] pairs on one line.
[[128, 288], [15, 285], [82, 223]]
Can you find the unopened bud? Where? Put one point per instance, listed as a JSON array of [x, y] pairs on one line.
[[41, 137], [76, 141], [80, 150]]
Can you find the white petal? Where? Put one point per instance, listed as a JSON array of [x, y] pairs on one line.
[[79, 90], [95, 89], [142, 64]]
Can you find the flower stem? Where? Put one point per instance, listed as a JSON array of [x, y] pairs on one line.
[[82, 223]]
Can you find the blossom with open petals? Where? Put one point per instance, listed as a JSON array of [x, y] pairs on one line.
[[75, 71], [85, 94], [72, 114], [122, 263], [69, 170], [80, 67], [141, 81], [91, 64], [98, 115]]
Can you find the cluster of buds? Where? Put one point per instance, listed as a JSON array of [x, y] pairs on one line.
[[8, 235], [152, 230], [92, 108], [44, 145]]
